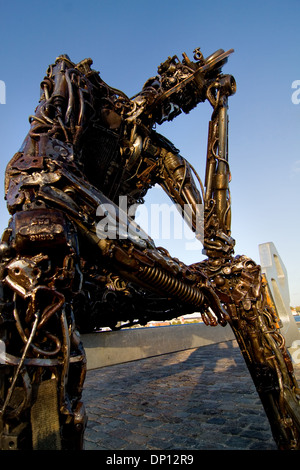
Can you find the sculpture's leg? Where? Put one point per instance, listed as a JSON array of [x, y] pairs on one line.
[[257, 331], [42, 363], [256, 326], [244, 294]]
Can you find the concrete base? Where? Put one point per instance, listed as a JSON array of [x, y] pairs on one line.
[[115, 347], [276, 275]]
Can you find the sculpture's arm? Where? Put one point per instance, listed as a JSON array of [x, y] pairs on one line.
[[176, 176], [206, 206], [179, 87]]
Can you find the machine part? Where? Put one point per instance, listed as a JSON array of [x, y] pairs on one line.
[[45, 420]]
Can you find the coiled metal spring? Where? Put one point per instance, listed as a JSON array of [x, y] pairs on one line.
[[175, 287]]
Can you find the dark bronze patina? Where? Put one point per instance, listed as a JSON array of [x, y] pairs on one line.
[[89, 144]]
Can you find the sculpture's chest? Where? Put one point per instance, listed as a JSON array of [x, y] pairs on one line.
[[102, 161]]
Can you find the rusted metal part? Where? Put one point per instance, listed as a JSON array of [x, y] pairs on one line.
[[63, 271]]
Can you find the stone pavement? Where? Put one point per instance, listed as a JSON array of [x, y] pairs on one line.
[[195, 399]]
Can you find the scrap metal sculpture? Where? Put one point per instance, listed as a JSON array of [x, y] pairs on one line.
[[63, 272]]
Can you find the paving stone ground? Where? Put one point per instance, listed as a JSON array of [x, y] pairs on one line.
[[198, 399]]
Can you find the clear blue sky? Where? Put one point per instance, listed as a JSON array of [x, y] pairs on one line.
[[127, 40]]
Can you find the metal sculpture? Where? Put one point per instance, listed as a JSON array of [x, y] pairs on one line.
[[63, 273]]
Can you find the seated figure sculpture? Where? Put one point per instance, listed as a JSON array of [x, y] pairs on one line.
[[73, 261]]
